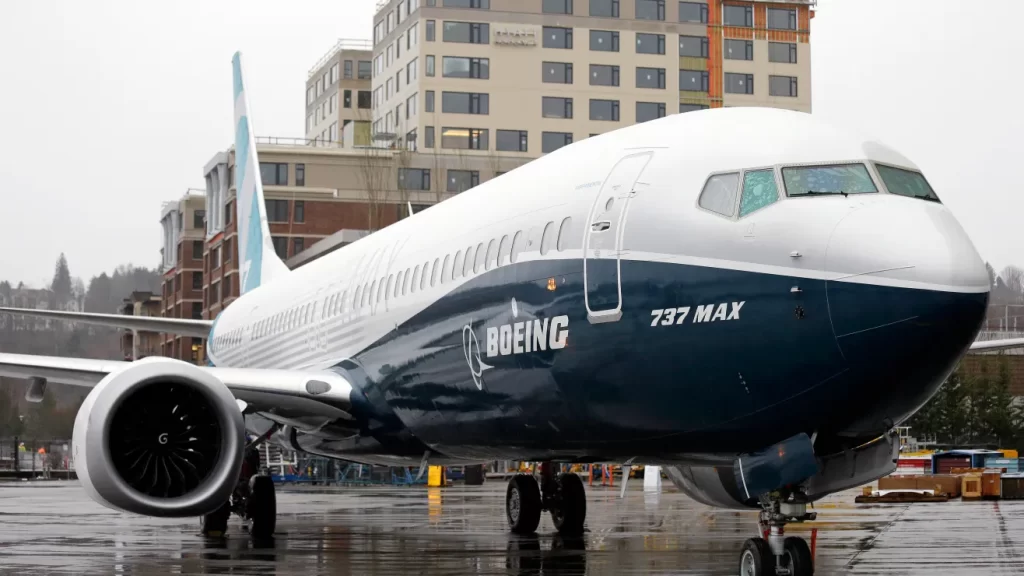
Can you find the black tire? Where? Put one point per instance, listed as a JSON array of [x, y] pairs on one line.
[[756, 558], [522, 504], [572, 508], [798, 557], [261, 507], [215, 524]]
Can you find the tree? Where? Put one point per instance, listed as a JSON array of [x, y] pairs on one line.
[[1013, 279], [61, 284]]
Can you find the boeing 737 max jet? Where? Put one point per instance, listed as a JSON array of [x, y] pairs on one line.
[[749, 297]]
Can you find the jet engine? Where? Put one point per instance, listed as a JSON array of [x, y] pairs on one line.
[[160, 437]]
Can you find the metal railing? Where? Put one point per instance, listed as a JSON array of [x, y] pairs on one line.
[[342, 44]]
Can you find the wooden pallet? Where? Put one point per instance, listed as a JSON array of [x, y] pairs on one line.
[[900, 498]]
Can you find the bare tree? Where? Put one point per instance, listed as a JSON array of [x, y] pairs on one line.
[[1013, 279]]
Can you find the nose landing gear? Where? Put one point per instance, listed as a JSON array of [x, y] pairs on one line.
[[774, 554], [563, 495]]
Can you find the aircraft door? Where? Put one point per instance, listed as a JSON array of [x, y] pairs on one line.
[[603, 239]]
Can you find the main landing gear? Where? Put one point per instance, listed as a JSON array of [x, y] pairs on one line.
[[254, 499], [774, 553], [563, 495]]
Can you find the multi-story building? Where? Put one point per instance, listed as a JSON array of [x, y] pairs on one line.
[[526, 77], [183, 222], [338, 92], [136, 345], [311, 193]]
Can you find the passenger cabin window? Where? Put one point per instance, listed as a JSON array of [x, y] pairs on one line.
[[563, 233], [517, 246], [824, 180], [719, 194], [504, 250], [548, 239], [906, 182], [759, 190], [478, 264], [457, 268], [492, 254]]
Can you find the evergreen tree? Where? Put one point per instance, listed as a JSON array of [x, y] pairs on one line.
[[61, 284]]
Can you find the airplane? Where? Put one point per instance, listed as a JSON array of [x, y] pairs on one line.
[[749, 297]]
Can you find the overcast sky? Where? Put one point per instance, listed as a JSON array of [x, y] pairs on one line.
[[109, 108]]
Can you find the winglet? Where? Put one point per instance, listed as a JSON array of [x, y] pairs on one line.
[[259, 261]]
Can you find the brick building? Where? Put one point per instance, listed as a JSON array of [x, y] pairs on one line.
[[136, 345], [183, 222]]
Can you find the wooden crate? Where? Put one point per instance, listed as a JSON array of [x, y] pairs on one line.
[[991, 484], [971, 487]]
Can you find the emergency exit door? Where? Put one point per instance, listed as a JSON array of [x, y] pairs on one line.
[[602, 268]]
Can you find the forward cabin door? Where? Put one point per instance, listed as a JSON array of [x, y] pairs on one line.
[[603, 239]]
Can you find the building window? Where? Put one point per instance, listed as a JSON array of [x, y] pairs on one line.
[[199, 219], [465, 103], [693, 80], [364, 99], [650, 43], [428, 105], [462, 180], [228, 252], [197, 310], [298, 245], [413, 179], [229, 210], [479, 4], [604, 75], [557, 6], [347, 102], [781, 19], [197, 249], [365, 69], [300, 173], [650, 9], [226, 288], [464, 138], [604, 8], [739, 83], [215, 292], [280, 246], [557, 37], [551, 141], [555, 107], [274, 173], [348, 69], [738, 16], [692, 107], [693, 12], [649, 111], [428, 136], [430, 30], [197, 280], [300, 211], [604, 41], [277, 210], [557, 72], [511, 141], [604, 110], [650, 77], [693, 46], [783, 52], [782, 86], [457, 67], [739, 50], [467, 32]]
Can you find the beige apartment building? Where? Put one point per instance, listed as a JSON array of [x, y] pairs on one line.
[[338, 91], [520, 78]]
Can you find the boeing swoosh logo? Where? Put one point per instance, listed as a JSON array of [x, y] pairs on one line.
[[471, 349]]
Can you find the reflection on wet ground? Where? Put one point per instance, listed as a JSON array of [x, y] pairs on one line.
[[54, 528]]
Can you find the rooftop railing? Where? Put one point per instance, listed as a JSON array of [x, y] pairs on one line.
[[343, 44]]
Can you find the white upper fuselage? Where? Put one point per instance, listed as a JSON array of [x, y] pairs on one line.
[[310, 318]]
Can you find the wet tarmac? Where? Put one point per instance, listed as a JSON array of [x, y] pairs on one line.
[[54, 528]]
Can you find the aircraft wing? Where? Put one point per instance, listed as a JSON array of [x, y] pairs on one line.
[[290, 394], [184, 327], [996, 345]]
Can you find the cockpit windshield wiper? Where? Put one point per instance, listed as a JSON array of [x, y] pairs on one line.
[[820, 193]]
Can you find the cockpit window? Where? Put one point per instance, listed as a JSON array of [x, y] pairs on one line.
[[759, 190], [822, 180], [906, 182], [719, 194]]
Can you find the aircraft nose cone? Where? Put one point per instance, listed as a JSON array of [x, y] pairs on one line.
[[907, 296]]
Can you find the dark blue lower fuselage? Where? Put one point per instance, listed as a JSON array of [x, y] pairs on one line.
[[798, 355]]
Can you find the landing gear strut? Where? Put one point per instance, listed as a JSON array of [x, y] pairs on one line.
[[254, 499], [563, 495], [774, 554]]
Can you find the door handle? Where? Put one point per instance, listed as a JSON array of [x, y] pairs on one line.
[[600, 226]]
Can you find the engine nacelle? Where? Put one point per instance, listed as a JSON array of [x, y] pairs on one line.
[[161, 438]]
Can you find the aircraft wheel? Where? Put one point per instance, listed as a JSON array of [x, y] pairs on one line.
[[261, 507], [757, 559], [798, 557], [571, 511], [522, 504], [215, 524]]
